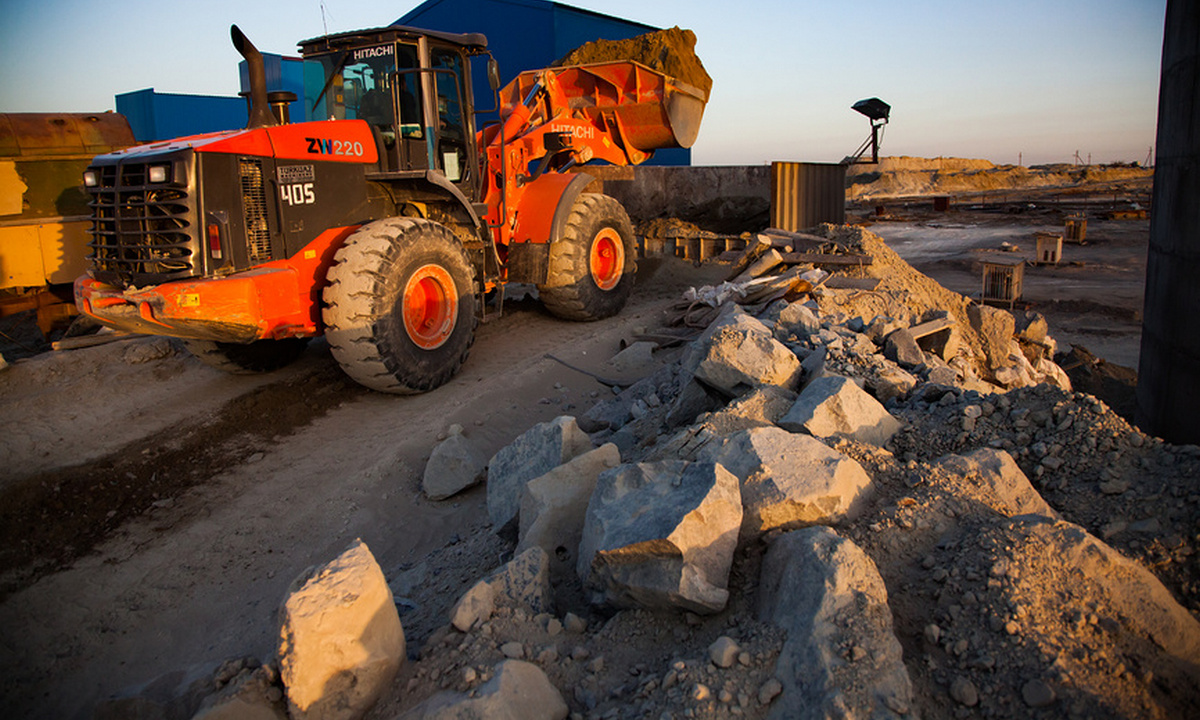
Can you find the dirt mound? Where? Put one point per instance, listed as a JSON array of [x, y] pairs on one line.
[[671, 51], [906, 176]]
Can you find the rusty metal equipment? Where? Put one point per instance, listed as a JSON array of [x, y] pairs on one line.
[[1002, 282], [807, 194]]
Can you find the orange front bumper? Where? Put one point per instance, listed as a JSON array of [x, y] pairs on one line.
[[265, 303]]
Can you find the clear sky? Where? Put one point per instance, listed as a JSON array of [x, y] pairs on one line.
[[1044, 79]]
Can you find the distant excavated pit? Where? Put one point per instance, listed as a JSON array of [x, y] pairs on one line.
[[671, 52]]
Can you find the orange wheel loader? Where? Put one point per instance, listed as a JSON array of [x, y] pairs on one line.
[[384, 226]]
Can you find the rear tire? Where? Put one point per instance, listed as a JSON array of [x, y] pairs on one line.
[[592, 265], [260, 356], [400, 306]]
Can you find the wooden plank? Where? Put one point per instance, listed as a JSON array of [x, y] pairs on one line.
[[820, 259], [840, 282], [752, 252], [929, 328], [798, 239]]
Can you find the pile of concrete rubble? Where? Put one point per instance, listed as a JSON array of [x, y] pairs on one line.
[[837, 501]]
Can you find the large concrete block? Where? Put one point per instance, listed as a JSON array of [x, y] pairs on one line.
[[743, 354], [835, 405], [340, 640], [661, 535], [554, 505], [828, 596], [788, 480], [539, 450]]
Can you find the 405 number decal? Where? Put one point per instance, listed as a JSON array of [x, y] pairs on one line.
[[327, 146], [298, 194]]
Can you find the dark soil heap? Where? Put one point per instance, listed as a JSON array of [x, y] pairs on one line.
[[671, 52]]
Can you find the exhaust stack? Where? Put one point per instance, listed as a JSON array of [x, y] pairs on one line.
[[260, 108]]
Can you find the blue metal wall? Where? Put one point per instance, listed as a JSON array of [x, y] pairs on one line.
[[528, 34], [161, 116]]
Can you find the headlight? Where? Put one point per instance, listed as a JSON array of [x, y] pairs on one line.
[[159, 173], [91, 178]]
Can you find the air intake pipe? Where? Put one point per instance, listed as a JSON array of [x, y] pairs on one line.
[[260, 108]]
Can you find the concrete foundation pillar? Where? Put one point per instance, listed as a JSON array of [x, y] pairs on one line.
[[1168, 392]]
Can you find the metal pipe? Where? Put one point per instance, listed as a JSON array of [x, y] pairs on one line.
[[260, 108]]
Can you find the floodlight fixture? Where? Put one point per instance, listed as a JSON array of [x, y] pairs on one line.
[[878, 112]]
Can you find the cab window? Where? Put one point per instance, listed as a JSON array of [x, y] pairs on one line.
[[452, 139]]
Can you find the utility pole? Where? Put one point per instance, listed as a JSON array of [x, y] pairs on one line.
[[1168, 391]]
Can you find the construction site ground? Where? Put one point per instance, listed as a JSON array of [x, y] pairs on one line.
[[155, 510]]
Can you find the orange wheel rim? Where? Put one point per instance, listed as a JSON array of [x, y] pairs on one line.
[[430, 307], [607, 259]]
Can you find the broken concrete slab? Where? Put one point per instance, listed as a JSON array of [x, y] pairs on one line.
[[554, 505], [901, 347], [796, 320], [453, 466], [995, 329], [539, 450], [522, 583], [340, 638], [890, 381], [743, 355], [518, 690], [996, 472], [828, 596], [833, 406], [788, 480], [661, 535]]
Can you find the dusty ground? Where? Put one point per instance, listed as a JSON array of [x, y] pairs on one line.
[[153, 511]]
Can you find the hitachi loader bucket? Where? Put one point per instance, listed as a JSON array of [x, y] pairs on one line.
[[653, 110]]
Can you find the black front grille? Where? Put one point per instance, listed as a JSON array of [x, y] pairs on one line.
[[142, 232], [254, 208]]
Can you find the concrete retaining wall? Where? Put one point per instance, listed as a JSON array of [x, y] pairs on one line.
[[721, 199]]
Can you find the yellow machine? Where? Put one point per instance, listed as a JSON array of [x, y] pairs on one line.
[[44, 214]]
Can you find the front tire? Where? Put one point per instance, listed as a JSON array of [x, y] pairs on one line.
[[592, 265], [400, 306], [260, 356]]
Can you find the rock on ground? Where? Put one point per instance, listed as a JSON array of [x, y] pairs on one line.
[[341, 641], [788, 480], [1000, 478], [518, 691], [841, 658], [539, 450], [554, 505], [522, 583], [661, 535], [831, 406], [453, 466]]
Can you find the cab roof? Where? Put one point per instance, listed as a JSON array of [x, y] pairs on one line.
[[472, 42]]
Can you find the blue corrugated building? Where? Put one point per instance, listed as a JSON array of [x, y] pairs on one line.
[[522, 35]]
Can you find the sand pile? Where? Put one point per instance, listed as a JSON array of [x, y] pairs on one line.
[[671, 51]]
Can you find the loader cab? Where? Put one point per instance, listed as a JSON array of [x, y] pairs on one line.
[[414, 89]]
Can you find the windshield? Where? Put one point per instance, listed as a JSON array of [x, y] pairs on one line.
[[356, 84]]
